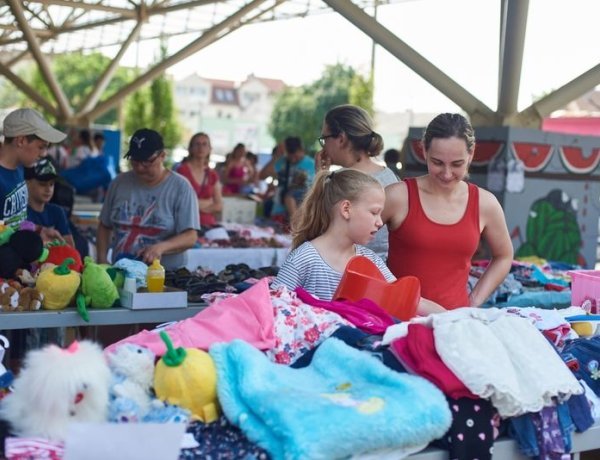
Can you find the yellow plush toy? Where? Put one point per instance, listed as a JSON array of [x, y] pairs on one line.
[[187, 378], [58, 285]]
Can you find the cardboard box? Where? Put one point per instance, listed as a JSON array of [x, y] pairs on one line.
[[238, 210], [144, 300]]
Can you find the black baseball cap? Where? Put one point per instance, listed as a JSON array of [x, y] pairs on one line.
[[43, 171], [143, 144]]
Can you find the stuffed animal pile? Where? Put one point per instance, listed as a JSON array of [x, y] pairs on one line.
[[131, 397], [75, 383], [51, 276], [19, 249], [16, 297], [81, 384]]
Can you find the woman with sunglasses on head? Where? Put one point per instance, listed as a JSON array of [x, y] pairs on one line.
[[348, 140], [436, 221], [204, 180], [149, 211]]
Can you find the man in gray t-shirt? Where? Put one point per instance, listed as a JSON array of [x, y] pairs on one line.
[[148, 211]]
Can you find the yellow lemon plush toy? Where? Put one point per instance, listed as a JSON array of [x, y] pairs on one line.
[[187, 378], [58, 285]]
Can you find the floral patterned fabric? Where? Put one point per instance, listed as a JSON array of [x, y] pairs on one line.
[[298, 326]]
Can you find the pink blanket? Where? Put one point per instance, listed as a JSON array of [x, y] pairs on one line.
[[248, 316]]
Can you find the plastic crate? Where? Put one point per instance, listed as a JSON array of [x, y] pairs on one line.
[[585, 285]]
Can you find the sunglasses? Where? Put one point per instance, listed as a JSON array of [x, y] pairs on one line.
[[148, 162]]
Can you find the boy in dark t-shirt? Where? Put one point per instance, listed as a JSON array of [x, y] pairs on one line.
[[40, 184], [26, 138]]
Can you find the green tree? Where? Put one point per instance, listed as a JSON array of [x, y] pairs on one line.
[[293, 115], [77, 74], [137, 111], [164, 116], [300, 111], [9, 94], [153, 107], [361, 93]]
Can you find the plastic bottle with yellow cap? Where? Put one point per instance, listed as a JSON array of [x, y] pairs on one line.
[[155, 277]]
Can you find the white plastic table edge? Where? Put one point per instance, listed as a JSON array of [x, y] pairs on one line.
[[98, 317]]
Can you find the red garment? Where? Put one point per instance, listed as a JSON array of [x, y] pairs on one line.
[[204, 191], [438, 254], [235, 172], [417, 352]]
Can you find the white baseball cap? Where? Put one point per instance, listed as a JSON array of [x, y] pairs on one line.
[[23, 122]]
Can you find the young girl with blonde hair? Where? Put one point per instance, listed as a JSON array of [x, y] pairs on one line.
[[340, 214]]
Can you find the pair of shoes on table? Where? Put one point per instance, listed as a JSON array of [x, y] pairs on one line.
[[193, 284], [234, 273], [195, 293], [269, 271]]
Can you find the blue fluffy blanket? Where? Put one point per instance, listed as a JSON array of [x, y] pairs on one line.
[[346, 402]]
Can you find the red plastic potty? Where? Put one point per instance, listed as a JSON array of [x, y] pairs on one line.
[[363, 280]]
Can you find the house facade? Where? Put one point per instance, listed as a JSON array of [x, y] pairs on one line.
[[230, 112]]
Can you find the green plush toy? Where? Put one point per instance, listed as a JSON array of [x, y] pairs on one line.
[[97, 289], [116, 274]]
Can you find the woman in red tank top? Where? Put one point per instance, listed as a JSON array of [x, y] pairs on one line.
[[204, 180], [436, 222]]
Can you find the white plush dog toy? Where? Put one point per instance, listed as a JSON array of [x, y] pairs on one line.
[[132, 370], [55, 387]]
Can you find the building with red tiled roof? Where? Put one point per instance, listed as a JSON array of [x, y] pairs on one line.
[[230, 112]]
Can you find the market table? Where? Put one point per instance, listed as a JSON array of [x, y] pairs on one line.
[[216, 259], [70, 317]]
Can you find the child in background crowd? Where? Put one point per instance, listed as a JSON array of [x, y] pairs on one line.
[[340, 213], [40, 184], [252, 173], [85, 148]]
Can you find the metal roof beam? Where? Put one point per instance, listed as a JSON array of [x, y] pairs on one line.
[[513, 23], [26, 89], [141, 11], [36, 14], [533, 115], [104, 80], [382, 36], [208, 37], [14, 28], [34, 46], [126, 12], [158, 9]]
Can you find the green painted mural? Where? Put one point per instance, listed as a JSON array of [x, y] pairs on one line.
[[552, 230]]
